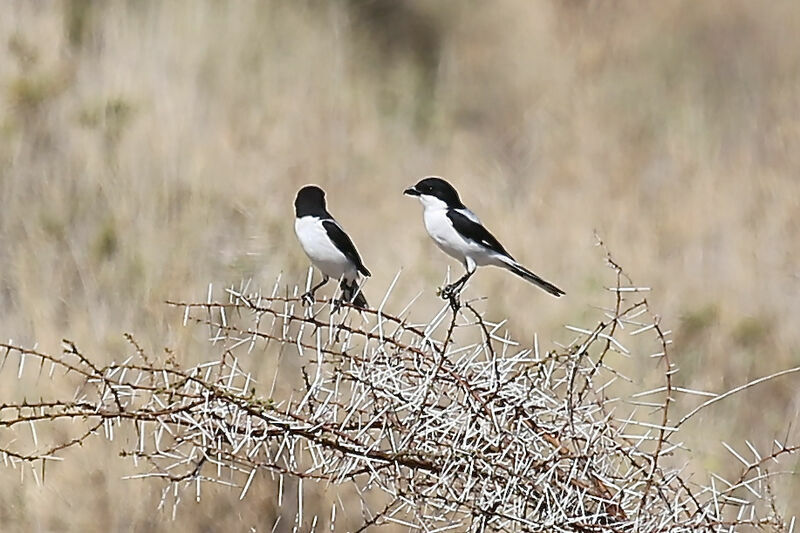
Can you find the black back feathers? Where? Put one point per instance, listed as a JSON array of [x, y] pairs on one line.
[[475, 232], [344, 244]]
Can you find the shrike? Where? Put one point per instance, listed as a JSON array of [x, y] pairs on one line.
[[460, 234], [328, 246]]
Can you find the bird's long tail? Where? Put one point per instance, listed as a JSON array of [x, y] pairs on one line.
[[353, 294], [526, 274]]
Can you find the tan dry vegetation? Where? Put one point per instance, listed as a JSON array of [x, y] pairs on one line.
[[147, 149]]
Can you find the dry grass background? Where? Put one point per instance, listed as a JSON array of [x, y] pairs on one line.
[[147, 149]]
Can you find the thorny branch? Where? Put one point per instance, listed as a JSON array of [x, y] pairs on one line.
[[457, 426]]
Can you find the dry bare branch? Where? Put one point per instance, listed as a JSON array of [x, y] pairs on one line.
[[454, 425]]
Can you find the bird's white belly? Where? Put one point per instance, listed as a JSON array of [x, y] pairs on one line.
[[451, 242], [322, 252]]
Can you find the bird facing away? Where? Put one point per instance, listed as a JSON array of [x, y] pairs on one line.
[[460, 234], [327, 245]]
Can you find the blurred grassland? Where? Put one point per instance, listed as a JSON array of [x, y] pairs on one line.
[[150, 148]]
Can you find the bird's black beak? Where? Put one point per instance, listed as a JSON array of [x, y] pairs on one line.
[[411, 191]]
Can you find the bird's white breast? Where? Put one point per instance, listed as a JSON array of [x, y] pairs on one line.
[[321, 250], [444, 235]]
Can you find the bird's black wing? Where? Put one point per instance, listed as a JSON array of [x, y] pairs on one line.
[[344, 244], [475, 231]]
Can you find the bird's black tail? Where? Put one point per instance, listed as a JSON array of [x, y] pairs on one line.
[[526, 274], [351, 293]]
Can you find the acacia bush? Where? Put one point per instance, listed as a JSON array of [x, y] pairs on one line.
[[440, 422]]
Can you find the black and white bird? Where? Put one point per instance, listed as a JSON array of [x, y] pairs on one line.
[[327, 245], [460, 234]]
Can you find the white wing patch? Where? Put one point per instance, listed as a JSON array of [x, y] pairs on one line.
[[469, 214]]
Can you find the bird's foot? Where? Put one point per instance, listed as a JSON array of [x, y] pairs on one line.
[[307, 298], [337, 305], [451, 294], [455, 302]]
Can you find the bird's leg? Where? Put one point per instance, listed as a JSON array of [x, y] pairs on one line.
[[308, 297], [457, 285], [451, 292]]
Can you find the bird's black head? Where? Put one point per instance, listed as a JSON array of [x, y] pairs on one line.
[[438, 188], [310, 201]]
